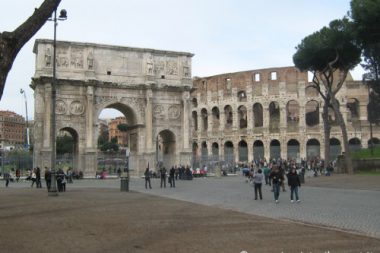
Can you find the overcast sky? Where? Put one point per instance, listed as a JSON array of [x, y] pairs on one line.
[[225, 35]]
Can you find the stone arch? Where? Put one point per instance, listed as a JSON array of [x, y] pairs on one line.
[[204, 153], [312, 113], [194, 102], [313, 149], [167, 148], [228, 116], [335, 148], [353, 107], [229, 156], [215, 151], [258, 116], [243, 151], [274, 116], [354, 144], [293, 149], [195, 159], [292, 115], [70, 160], [310, 91], [128, 109], [258, 149], [215, 117], [242, 113], [204, 117], [374, 141], [275, 149], [194, 117]]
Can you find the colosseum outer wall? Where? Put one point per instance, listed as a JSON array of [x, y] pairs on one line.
[[271, 113]]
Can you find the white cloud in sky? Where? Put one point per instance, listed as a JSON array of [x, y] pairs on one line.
[[224, 35]]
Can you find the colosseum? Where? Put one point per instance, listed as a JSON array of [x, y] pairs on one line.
[[271, 113]]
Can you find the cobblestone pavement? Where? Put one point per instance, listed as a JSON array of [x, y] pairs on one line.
[[350, 210]]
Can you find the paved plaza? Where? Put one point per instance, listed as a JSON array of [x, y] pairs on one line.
[[208, 214]]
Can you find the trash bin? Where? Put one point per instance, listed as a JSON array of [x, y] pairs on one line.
[[124, 184]]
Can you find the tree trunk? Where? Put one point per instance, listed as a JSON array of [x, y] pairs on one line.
[[327, 130], [342, 124], [12, 42]]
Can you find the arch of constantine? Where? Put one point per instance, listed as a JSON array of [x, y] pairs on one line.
[[150, 87], [271, 113]]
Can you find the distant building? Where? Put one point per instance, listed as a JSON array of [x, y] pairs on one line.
[[12, 130], [122, 137]]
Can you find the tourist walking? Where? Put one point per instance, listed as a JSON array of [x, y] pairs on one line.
[[147, 179], [33, 177], [47, 178], [38, 178], [258, 179], [163, 176], [294, 183], [171, 177], [277, 178], [7, 178]]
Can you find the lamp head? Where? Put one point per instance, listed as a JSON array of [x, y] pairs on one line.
[[63, 15]]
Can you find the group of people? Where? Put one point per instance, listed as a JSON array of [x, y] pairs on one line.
[[175, 173], [275, 177]]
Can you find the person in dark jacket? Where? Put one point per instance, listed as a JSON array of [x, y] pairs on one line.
[[163, 177], [277, 178], [294, 183], [147, 179], [171, 177]]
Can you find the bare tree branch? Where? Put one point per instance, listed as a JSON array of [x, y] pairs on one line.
[[12, 42]]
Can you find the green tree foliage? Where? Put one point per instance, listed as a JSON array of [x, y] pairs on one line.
[[65, 144], [329, 54], [123, 127], [365, 15]]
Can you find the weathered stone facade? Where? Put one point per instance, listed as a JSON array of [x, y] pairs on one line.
[[150, 87], [271, 113]]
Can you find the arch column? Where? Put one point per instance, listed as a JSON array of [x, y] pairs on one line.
[[266, 117], [222, 120], [250, 151], [149, 121], [235, 120], [89, 118], [186, 120], [249, 118], [267, 149]]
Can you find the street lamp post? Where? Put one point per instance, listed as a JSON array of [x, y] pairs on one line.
[[26, 117], [53, 187]]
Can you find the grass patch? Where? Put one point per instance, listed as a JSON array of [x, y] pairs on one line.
[[368, 173], [366, 154]]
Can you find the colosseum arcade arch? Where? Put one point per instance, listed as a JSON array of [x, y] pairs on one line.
[[195, 159], [275, 149], [215, 118], [313, 149], [292, 115], [194, 116], [312, 113], [204, 117], [229, 156], [258, 117], [151, 88], [335, 148], [243, 151], [204, 153], [354, 144], [293, 149], [274, 117], [258, 150], [215, 151]]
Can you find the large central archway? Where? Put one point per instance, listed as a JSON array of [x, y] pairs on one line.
[[151, 88]]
